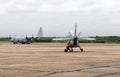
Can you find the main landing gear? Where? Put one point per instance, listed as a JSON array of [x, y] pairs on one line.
[[71, 49]]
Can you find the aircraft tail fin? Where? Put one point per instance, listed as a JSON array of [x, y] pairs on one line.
[[40, 32], [75, 30]]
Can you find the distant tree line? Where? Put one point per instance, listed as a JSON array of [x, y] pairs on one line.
[[44, 40], [107, 39], [98, 39], [4, 39]]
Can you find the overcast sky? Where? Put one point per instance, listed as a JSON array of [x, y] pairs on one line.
[[58, 17]]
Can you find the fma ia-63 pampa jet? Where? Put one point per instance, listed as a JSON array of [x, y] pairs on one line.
[[26, 39]]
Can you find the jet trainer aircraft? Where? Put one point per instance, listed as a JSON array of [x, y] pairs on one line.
[[26, 39], [73, 40]]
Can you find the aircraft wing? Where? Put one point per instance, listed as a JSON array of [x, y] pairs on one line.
[[61, 38], [67, 38], [86, 38]]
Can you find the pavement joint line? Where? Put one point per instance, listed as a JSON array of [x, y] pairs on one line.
[[58, 72], [107, 74], [69, 70]]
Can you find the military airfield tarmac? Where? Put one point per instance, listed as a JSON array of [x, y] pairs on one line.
[[50, 60]]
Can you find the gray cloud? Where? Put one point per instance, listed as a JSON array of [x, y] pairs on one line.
[[93, 16], [57, 5]]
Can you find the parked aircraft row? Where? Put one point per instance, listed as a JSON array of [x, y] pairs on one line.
[[72, 39]]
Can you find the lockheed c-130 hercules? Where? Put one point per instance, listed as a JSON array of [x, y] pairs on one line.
[[26, 39], [73, 41]]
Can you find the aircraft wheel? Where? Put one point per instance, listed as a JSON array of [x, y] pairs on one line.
[[27, 43], [81, 50], [14, 42], [23, 43], [65, 50], [71, 50]]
